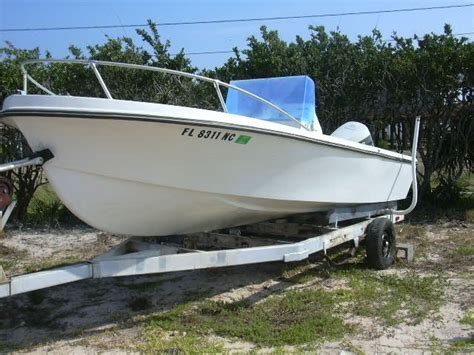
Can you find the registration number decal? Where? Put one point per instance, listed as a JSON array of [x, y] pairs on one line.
[[216, 135]]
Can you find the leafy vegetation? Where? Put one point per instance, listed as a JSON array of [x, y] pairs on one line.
[[462, 345], [468, 319], [393, 299], [180, 343], [53, 263], [47, 210], [10, 257], [296, 318], [465, 250]]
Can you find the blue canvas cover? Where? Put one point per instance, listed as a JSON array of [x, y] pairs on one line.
[[294, 94]]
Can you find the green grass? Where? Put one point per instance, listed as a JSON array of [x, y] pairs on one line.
[[46, 209], [468, 319], [46, 194], [310, 316], [295, 318], [466, 183], [161, 342], [392, 299], [353, 349], [463, 345], [9, 257], [464, 250], [8, 265], [53, 263]]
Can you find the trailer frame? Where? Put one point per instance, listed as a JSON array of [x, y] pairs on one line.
[[141, 256]]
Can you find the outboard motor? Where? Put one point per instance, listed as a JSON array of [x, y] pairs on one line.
[[355, 132]]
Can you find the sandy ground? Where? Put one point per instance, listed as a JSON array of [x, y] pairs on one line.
[[105, 315]]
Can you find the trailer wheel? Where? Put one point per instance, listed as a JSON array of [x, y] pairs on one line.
[[381, 246]]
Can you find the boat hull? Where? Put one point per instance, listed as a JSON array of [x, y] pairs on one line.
[[165, 176]]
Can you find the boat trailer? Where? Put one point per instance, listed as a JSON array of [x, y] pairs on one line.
[[262, 242]]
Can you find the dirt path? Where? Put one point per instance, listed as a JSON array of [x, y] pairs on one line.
[[115, 314]]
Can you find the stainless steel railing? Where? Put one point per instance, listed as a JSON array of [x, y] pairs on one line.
[[93, 64]]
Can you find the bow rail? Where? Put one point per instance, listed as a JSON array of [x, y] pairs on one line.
[[94, 64]]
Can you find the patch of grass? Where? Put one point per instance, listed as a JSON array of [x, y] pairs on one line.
[[8, 264], [466, 183], [464, 250], [436, 345], [310, 316], [5, 251], [52, 263], [353, 349], [463, 344], [468, 319], [295, 318], [182, 343], [45, 212], [9, 257], [394, 299], [46, 209]]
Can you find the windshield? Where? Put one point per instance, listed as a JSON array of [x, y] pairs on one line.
[[294, 94]]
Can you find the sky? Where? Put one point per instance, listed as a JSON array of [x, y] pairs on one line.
[[216, 37]]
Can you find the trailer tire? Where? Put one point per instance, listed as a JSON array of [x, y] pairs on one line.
[[381, 245]]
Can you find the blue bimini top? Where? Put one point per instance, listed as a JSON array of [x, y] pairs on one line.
[[294, 94]]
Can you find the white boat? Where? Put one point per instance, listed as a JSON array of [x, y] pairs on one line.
[[149, 169]]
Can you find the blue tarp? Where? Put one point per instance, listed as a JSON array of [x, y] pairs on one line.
[[294, 94]]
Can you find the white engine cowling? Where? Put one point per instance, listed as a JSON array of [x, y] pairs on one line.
[[355, 132]]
